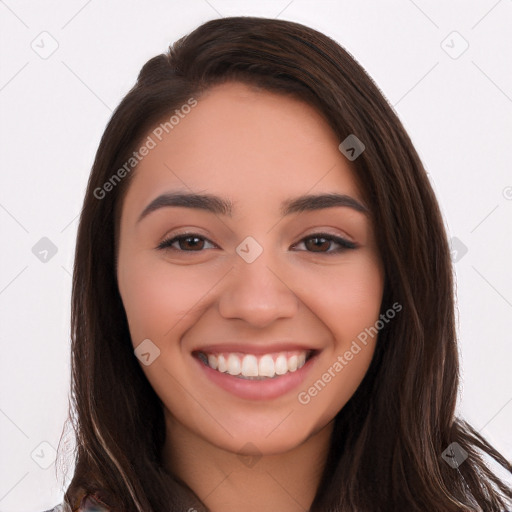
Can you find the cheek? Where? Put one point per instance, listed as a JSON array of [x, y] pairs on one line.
[[163, 300], [349, 307], [346, 298], [356, 302], [156, 299]]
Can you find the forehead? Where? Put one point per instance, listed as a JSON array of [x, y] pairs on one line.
[[246, 144]]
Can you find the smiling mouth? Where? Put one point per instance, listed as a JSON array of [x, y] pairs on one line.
[[256, 367]]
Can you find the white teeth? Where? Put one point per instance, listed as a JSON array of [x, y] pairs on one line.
[[249, 366], [223, 367], [266, 367], [212, 361], [292, 363], [281, 364], [233, 365]]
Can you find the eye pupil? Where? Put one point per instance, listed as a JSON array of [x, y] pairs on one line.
[[325, 243], [184, 241]]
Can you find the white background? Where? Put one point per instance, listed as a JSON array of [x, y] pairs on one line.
[[458, 112]]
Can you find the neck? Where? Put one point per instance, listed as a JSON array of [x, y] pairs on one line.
[[230, 482]]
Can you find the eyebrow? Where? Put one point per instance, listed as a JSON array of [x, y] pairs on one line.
[[221, 206]]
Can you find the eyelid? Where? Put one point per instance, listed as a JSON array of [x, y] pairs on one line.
[[344, 243], [165, 243]]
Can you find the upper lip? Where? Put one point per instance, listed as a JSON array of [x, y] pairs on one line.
[[258, 348]]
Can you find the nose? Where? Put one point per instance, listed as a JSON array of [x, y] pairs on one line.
[[257, 292]]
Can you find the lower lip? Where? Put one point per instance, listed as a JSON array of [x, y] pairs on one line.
[[258, 389]]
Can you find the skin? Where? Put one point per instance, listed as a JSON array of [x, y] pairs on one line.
[[257, 149]]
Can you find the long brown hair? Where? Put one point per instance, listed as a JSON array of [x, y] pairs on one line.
[[388, 440]]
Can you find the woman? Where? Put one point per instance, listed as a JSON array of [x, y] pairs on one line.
[[263, 311]]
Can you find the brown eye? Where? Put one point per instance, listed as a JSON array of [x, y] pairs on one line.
[[186, 243], [317, 242]]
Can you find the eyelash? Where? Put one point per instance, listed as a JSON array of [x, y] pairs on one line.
[[345, 244]]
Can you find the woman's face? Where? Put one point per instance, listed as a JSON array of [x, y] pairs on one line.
[[254, 290]]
